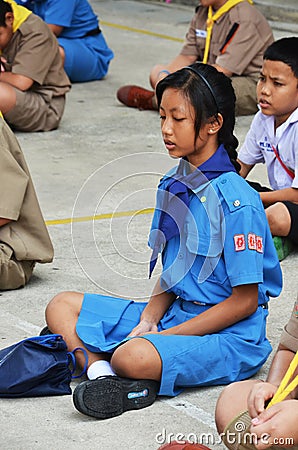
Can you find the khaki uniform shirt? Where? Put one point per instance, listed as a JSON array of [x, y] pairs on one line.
[[27, 234], [34, 52], [241, 53], [289, 337]]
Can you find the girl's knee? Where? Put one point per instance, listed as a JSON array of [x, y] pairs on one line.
[[232, 401], [279, 219], [63, 303], [136, 358], [220, 411]]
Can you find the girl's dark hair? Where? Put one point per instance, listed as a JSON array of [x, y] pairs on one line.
[[5, 7], [208, 97], [286, 51]]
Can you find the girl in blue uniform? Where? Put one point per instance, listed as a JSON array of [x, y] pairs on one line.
[[83, 48], [205, 323]]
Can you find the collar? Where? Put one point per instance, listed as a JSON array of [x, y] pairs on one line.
[[213, 167]]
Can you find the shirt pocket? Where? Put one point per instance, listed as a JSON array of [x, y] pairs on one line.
[[206, 260]]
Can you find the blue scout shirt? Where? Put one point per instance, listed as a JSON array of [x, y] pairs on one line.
[[225, 242], [76, 16]]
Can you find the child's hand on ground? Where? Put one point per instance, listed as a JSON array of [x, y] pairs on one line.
[[259, 395], [279, 422], [143, 327]]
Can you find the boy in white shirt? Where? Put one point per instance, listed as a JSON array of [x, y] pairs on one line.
[[273, 139]]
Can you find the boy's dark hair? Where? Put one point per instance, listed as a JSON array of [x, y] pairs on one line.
[[5, 7], [209, 98], [286, 51]]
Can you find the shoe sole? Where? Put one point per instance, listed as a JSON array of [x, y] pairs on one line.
[[111, 396]]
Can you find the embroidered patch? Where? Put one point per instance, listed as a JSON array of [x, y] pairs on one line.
[[252, 242], [239, 241], [259, 242], [296, 310]]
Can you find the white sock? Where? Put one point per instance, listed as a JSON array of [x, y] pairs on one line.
[[99, 369]]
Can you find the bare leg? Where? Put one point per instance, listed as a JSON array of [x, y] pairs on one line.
[[155, 74], [279, 219], [231, 402], [62, 315], [137, 359]]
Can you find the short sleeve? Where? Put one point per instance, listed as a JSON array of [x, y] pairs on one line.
[[245, 240], [250, 152], [193, 45], [60, 12], [36, 51]]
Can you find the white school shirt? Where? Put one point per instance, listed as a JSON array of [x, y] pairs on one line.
[[257, 148]]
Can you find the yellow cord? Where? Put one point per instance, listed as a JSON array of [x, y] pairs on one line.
[[213, 18], [284, 388]]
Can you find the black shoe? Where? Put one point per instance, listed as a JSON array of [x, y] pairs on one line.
[[45, 331], [111, 396]]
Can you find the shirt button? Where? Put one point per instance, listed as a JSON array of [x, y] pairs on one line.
[[203, 199], [236, 203], [223, 181], [180, 256]]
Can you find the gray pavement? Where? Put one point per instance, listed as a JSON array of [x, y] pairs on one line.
[[105, 160]]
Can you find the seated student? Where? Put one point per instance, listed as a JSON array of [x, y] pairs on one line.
[[205, 323], [33, 83], [83, 48], [24, 239], [272, 138], [244, 403], [239, 36]]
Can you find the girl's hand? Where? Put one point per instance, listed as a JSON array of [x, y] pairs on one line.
[[143, 327], [259, 395], [279, 423]]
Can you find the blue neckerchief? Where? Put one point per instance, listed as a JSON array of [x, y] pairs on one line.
[[176, 196]]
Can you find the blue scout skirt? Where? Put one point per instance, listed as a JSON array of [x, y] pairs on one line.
[[86, 59], [233, 354]]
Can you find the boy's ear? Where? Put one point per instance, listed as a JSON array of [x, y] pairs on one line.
[[9, 18], [216, 124]]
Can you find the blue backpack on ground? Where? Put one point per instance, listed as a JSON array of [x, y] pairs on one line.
[[37, 366]]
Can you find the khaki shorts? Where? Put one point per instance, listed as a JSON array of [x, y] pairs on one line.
[[33, 112], [246, 96], [13, 274], [237, 436]]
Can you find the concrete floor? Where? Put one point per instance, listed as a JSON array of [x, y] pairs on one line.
[[106, 160]]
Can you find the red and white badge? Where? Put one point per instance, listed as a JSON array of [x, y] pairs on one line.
[[239, 242], [259, 242], [252, 241]]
